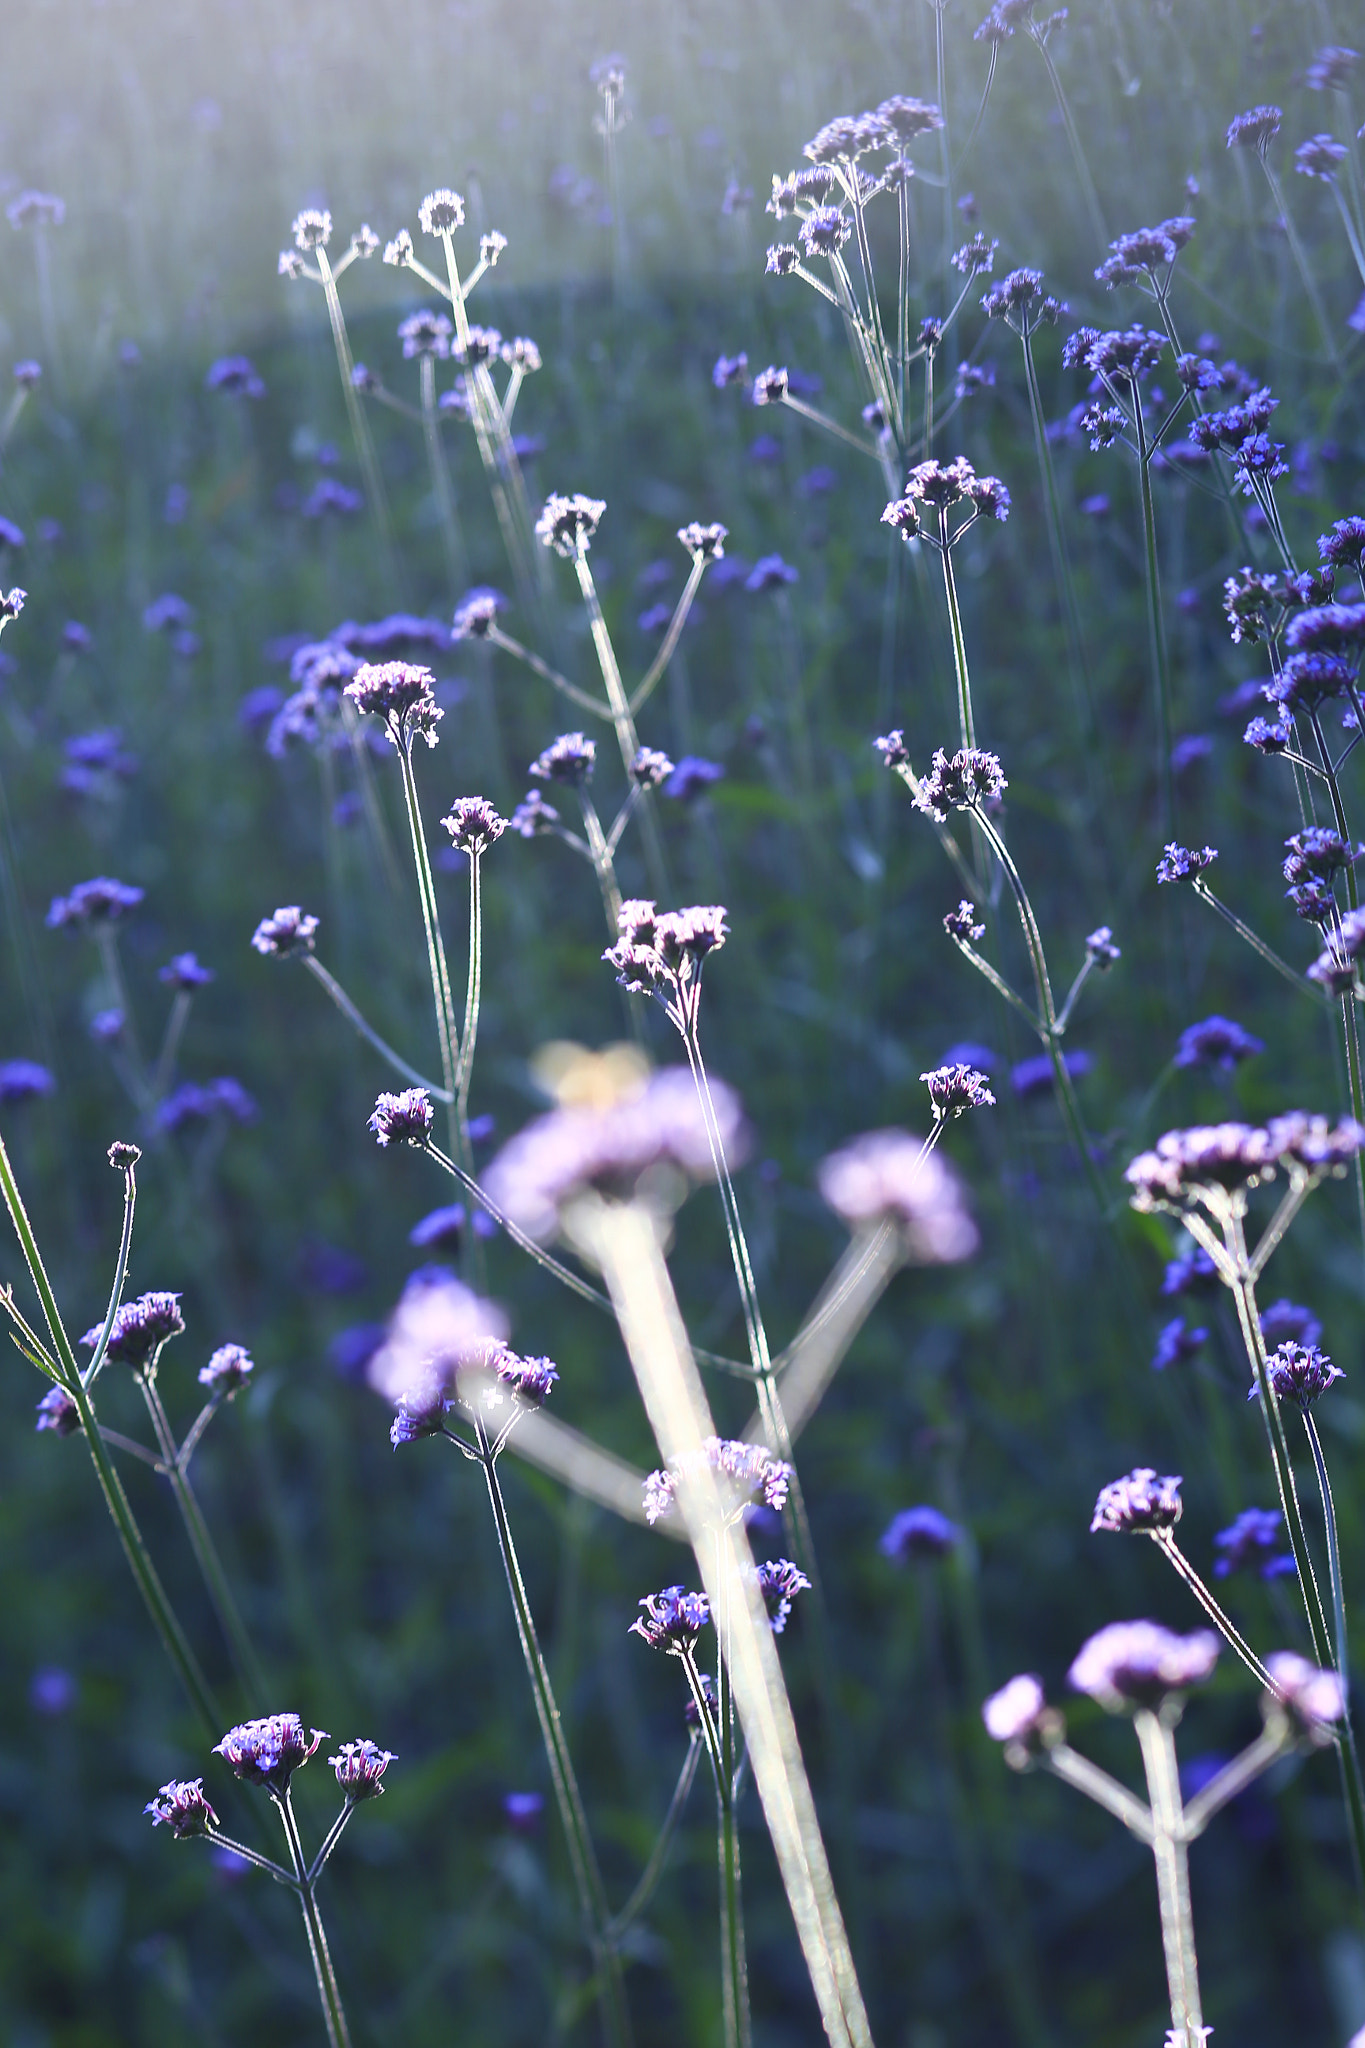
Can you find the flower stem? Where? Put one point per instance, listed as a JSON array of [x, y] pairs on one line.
[[1156, 1739], [360, 426], [436, 952], [329, 982], [329, 1995], [1156, 631]]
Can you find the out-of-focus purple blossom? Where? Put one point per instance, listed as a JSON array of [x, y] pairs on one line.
[[522, 1811], [1137, 1504], [1133, 1664], [1177, 1341], [961, 924], [1320, 156], [52, 1691], [886, 1176], [650, 768], [672, 1620], [1216, 1042], [969, 1054], [58, 1412], [1183, 863], [329, 496], [569, 524], [1100, 949], [21, 1080], [730, 370], [918, 1535], [570, 760], [1315, 1699], [36, 210], [691, 778], [1193, 1268], [184, 974], [746, 1472], [227, 1372], [442, 1226], [477, 612], [1015, 1713], [1195, 746], [1287, 1321], [1253, 1543], [770, 572], [1254, 129], [100, 901], [235, 375], [1037, 1076], [1331, 68], [533, 816]]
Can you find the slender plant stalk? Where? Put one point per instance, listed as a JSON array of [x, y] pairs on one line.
[[582, 1856], [1170, 1549], [1257, 944], [1056, 534], [1303, 266], [370, 471], [658, 1857], [966, 722], [1078, 156], [1077, 1770], [1329, 1517], [734, 1962], [436, 953], [329, 1994], [464, 1065], [329, 982], [1156, 1739], [440, 475], [1156, 631]]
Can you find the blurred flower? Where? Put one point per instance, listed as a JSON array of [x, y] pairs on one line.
[[1216, 1042], [227, 1372], [1139, 1664], [522, 1810], [184, 974], [1314, 1698], [1138, 1503], [746, 1471], [52, 1691], [1038, 1076], [570, 759], [1176, 1342], [21, 1080], [289, 930], [917, 1534], [235, 375], [1286, 1320], [568, 525], [101, 901], [58, 1412], [691, 778], [1013, 1714], [887, 1176], [1252, 1543]]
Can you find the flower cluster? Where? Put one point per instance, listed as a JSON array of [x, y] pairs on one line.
[[672, 1620], [1252, 1543], [139, 1330], [400, 693], [227, 1372], [1299, 1374], [405, 1117], [289, 930], [964, 781], [1199, 1163], [99, 902], [779, 1581], [953, 1089], [570, 759], [942, 485], [473, 824], [888, 1177], [568, 525], [746, 1472], [1138, 1504], [660, 953], [268, 1751], [1138, 1664]]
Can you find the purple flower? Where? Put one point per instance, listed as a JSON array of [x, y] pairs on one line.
[[749, 1471], [672, 1620], [438, 1330], [36, 210], [779, 1581], [1138, 1503], [1176, 1341], [953, 1089], [1216, 1042], [1254, 129], [1320, 157], [235, 375], [1252, 1543], [691, 778], [962, 781], [1343, 546], [1100, 949], [183, 1807], [268, 1751], [359, 1766], [650, 768], [1037, 1076], [770, 572], [704, 543], [730, 370], [1314, 1698], [21, 1080], [311, 229], [441, 212], [402, 695], [1183, 863], [886, 1176], [139, 1330], [1330, 69], [473, 824], [1286, 1320], [522, 1810], [919, 1534], [184, 974], [227, 1372], [568, 525], [533, 816], [439, 1227], [1299, 1373], [1193, 1268], [477, 612], [961, 924], [570, 759], [52, 1691], [101, 901], [1015, 1713], [289, 930], [405, 1117], [58, 1412], [1134, 1664]]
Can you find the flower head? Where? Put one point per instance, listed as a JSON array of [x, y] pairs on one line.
[[36, 210], [570, 759], [779, 1581], [1253, 1543], [236, 375], [886, 1176], [227, 1372], [58, 1412], [1320, 157], [961, 924], [473, 824], [22, 1080], [139, 1330], [746, 1472], [400, 693], [1330, 69], [1139, 1664], [1177, 1341], [650, 768], [1138, 1503], [918, 1534], [183, 1808], [405, 1117], [289, 930], [962, 781], [101, 901], [1313, 1698], [1216, 1042], [703, 543], [1183, 863], [568, 525], [1254, 129], [184, 974], [1100, 949], [268, 1751], [953, 1089], [1015, 1714], [672, 1620], [1300, 1373], [312, 229], [660, 953], [359, 1766], [533, 816], [476, 614], [441, 212]]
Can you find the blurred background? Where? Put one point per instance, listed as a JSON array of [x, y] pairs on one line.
[[1004, 1392]]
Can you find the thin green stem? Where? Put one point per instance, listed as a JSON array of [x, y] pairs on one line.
[[966, 723], [330, 1840], [733, 1960], [329, 1994], [582, 1856], [464, 1066], [329, 982], [1078, 1771], [622, 719], [370, 472], [436, 952], [1304, 267], [1170, 1549], [644, 1891], [583, 1288], [97, 1356], [1156, 630], [1078, 156], [1329, 1516], [829, 426], [1352, 231], [170, 1044], [497, 638], [645, 687], [1257, 944]]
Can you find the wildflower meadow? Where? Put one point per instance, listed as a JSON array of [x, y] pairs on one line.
[[682, 1121]]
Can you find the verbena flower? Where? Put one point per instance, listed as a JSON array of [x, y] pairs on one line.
[[703, 543], [1320, 156], [476, 614], [672, 1620], [139, 1329], [770, 572], [1343, 545], [650, 768], [268, 1751], [1138, 1503], [661, 953], [731, 369], [779, 1581], [289, 930], [312, 229], [884, 1176], [965, 780], [1177, 1340], [359, 1766], [1331, 68], [1216, 1042], [1183, 863], [1254, 129], [1038, 1075], [746, 1471], [443, 1226], [568, 525], [770, 385], [961, 924], [100, 901], [1253, 1543], [473, 824], [22, 1080], [953, 1089], [975, 257], [782, 259], [405, 1117], [1016, 1713], [183, 1808], [441, 212], [1300, 1374], [1315, 1699], [1317, 852], [1193, 1268], [691, 778], [1016, 292], [917, 1535], [438, 1330], [825, 230], [236, 375], [521, 353], [533, 816], [1286, 1320], [1195, 1163], [227, 1371], [402, 695], [609, 1148], [58, 1412], [1134, 1664], [184, 974]]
